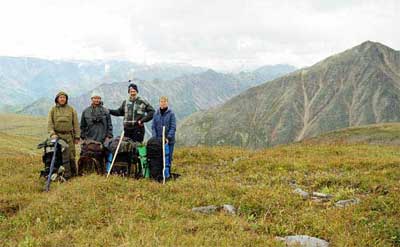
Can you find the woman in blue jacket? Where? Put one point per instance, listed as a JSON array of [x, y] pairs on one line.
[[165, 117]]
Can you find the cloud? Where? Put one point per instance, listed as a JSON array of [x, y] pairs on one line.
[[220, 34]]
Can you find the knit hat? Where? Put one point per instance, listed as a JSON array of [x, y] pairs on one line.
[[96, 93], [132, 86], [59, 94]]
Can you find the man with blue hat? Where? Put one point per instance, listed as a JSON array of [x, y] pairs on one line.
[[136, 111]]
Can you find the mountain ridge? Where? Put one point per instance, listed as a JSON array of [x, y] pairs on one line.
[[338, 92]]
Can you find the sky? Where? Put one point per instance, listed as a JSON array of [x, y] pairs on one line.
[[219, 34]]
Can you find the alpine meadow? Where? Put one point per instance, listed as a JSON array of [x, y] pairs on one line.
[[200, 123]]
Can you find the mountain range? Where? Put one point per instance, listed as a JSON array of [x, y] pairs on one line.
[[24, 80], [356, 87]]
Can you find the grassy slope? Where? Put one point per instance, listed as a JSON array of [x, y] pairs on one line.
[[379, 134], [95, 211]]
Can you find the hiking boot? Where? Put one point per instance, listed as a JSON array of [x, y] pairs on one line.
[[61, 170], [54, 177]]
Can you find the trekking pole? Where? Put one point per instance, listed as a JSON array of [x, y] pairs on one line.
[[116, 153], [53, 160], [163, 153]]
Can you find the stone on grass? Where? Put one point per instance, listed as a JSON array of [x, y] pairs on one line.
[[321, 195], [206, 209], [346, 203], [302, 193], [303, 241], [230, 209]]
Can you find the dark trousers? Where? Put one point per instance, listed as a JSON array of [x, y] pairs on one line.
[[136, 133], [171, 151]]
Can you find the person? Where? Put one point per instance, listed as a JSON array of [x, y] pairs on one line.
[[136, 112], [63, 123], [165, 117], [96, 121]]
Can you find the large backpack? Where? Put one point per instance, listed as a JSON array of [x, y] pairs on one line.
[[154, 158], [91, 158], [144, 164], [127, 159], [61, 158]]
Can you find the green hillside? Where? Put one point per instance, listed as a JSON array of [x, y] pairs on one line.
[[379, 134], [94, 211]]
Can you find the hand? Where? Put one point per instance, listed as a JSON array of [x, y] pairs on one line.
[[76, 141], [166, 140], [140, 123]]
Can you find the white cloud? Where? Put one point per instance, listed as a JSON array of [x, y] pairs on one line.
[[219, 34]]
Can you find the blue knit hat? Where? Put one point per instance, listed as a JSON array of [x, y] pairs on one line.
[[132, 86]]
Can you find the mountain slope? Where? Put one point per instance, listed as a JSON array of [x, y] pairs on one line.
[[377, 134], [356, 87]]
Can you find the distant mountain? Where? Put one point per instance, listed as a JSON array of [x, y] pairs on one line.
[[24, 80], [356, 87]]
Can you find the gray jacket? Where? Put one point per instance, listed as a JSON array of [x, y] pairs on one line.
[[96, 124]]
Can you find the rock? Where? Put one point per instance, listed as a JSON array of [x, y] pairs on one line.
[[293, 184], [302, 193], [229, 209], [303, 241], [346, 203], [236, 159], [206, 210], [321, 195]]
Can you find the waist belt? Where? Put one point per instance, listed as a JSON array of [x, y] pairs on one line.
[[64, 132]]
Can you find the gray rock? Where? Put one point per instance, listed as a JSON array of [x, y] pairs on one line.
[[321, 195], [206, 209], [346, 203], [303, 241], [302, 193], [230, 209]]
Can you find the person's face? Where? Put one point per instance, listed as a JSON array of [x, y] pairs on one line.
[[96, 100], [62, 99], [132, 92], [163, 103]]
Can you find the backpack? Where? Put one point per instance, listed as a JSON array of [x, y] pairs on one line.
[[126, 162], [154, 158], [61, 159], [127, 145], [91, 158], [91, 148], [144, 165]]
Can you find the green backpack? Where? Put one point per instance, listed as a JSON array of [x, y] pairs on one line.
[[142, 150]]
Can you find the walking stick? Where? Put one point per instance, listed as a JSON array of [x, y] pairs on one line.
[[116, 153], [163, 152]]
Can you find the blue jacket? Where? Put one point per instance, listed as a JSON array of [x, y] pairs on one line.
[[168, 120]]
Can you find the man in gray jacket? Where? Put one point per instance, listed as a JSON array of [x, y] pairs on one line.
[[96, 121]]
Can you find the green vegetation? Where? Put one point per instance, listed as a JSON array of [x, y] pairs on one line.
[[94, 211], [381, 134]]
